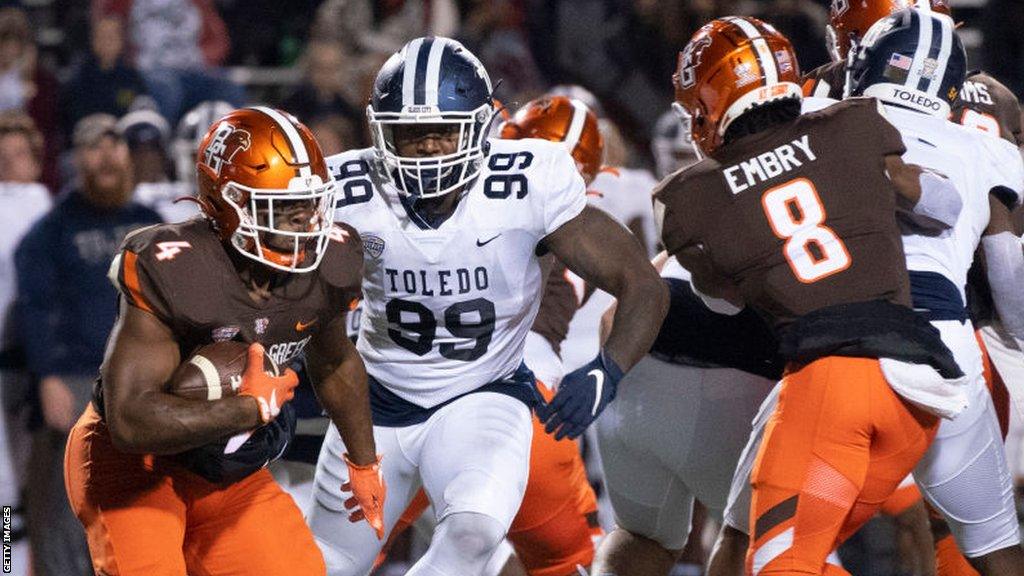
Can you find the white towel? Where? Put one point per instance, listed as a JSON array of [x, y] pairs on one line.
[[924, 387]]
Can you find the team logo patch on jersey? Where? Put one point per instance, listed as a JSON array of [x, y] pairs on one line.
[[226, 142], [373, 245], [261, 325], [225, 333]]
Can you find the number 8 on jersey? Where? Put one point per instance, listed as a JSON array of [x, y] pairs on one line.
[[796, 215]]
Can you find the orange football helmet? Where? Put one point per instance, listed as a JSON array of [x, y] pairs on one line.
[[849, 20], [560, 119], [264, 185], [731, 65]]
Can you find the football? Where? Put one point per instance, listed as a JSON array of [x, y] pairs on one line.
[[214, 371]]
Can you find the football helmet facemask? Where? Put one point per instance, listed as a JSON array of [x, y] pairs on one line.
[[264, 185], [432, 87]]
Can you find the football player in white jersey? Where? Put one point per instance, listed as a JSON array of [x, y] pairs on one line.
[[453, 227], [987, 105], [914, 63], [556, 527]]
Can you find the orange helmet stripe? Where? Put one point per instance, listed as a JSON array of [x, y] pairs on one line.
[[579, 120], [292, 135], [764, 54]]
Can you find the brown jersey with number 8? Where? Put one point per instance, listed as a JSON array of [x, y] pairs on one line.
[[801, 217]]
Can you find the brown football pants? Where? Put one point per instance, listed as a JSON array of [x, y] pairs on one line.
[[148, 517], [838, 444]]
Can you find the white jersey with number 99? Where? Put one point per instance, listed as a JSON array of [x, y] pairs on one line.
[[447, 309]]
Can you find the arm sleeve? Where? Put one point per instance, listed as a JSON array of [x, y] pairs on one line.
[[1004, 267], [1006, 170], [566, 193], [37, 299]]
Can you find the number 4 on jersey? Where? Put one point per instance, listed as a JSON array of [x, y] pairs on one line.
[[796, 215]]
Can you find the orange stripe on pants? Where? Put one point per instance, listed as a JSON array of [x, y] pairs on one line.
[[148, 517], [838, 444]]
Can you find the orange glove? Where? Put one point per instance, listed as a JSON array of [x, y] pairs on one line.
[[270, 392], [366, 483]]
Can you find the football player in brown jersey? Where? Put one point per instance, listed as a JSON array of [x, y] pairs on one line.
[[848, 20], [168, 485], [794, 215]]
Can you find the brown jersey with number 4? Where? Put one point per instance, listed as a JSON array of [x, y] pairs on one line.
[[183, 274], [800, 217]]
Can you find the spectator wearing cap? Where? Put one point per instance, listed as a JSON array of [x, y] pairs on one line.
[[104, 81], [148, 136], [66, 307], [23, 200]]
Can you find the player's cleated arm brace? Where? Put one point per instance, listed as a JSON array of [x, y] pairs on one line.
[[603, 253]]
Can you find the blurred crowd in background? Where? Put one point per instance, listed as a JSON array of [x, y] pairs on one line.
[[102, 104], [62, 60]]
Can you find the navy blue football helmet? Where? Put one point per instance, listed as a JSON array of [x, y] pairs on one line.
[[913, 58], [431, 81]]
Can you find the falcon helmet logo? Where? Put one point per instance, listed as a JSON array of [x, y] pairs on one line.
[[690, 59], [226, 143], [839, 7]]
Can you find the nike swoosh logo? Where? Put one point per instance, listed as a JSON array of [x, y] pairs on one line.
[[301, 326], [479, 243], [599, 376]]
